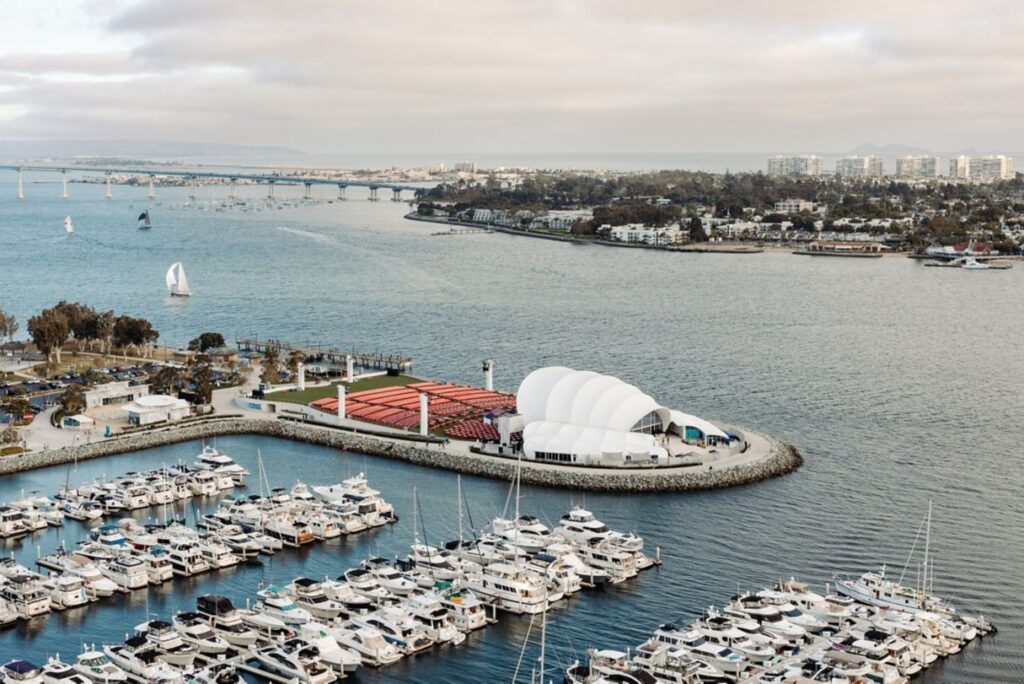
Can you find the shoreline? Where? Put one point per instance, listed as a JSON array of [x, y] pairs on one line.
[[781, 459]]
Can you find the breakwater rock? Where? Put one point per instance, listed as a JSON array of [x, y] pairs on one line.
[[780, 459]]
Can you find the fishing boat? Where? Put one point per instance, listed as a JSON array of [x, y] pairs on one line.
[[177, 285], [144, 222], [69, 226]]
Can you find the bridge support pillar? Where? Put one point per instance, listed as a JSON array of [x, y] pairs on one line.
[[424, 414], [21, 187], [270, 190], [152, 189], [396, 194], [232, 189], [341, 191], [192, 189], [110, 191], [64, 184], [373, 193], [307, 192]]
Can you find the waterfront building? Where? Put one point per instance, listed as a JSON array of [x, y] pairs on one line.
[[155, 408], [638, 234], [114, 394], [465, 167], [914, 166], [805, 165], [983, 169], [795, 206], [859, 167], [588, 418]]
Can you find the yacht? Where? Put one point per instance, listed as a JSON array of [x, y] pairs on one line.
[[275, 602], [341, 591], [874, 589], [581, 526], [289, 530], [434, 618], [398, 628], [510, 588], [204, 483], [310, 595], [158, 565], [12, 523], [21, 672], [57, 672], [701, 649], [127, 572], [225, 620], [139, 658], [607, 667], [561, 576], [437, 563], [216, 554], [296, 660], [339, 659], [26, 596], [590, 576], [243, 544], [161, 492], [98, 667], [362, 582], [66, 591], [320, 525], [211, 459], [722, 630], [617, 562], [8, 614], [526, 532], [373, 649], [195, 630], [186, 559], [96, 585], [171, 648], [768, 617], [388, 577], [135, 497]]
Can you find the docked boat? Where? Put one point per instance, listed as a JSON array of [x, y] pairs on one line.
[[290, 531], [211, 459], [195, 630], [12, 522], [57, 672], [341, 660], [526, 532], [171, 648], [296, 660], [186, 559], [216, 554], [434, 618], [127, 572], [99, 667], [8, 614], [26, 596], [510, 588], [468, 613], [21, 672], [139, 658], [66, 591], [311, 596], [225, 620], [277, 603], [364, 583], [373, 649], [393, 581]]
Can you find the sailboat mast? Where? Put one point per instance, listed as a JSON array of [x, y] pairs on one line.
[[415, 517], [927, 547], [515, 522], [458, 487]]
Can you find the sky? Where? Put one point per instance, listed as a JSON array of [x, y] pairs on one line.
[[327, 76]]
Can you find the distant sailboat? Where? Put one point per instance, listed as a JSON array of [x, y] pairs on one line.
[[177, 285], [69, 226], [144, 223]]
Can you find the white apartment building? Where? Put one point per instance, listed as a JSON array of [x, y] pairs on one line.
[[804, 165], [794, 206], [859, 167], [912, 166], [981, 169], [637, 233], [465, 166]]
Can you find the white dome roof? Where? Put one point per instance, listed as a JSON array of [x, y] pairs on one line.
[[563, 395]]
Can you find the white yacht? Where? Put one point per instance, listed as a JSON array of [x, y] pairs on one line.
[[388, 577], [216, 554], [874, 589], [310, 596], [12, 522], [277, 603], [362, 582], [468, 612], [158, 566], [290, 531], [26, 596], [245, 545], [98, 667], [213, 460], [526, 532], [722, 630], [562, 578], [617, 562], [186, 559], [296, 660], [195, 630], [435, 619], [373, 649], [590, 576], [171, 648], [204, 483], [701, 649], [66, 591], [57, 672], [338, 658], [225, 620], [139, 658], [161, 492], [437, 563], [397, 627], [127, 572], [510, 588], [581, 526], [341, 591], [21, 672]]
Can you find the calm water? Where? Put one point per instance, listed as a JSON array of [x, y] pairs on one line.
[[899, 384]]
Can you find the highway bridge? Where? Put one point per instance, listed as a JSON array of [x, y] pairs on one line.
[[195, 177]]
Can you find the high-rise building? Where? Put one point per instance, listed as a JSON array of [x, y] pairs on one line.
[[465, 166], [913, 166], [981, 169], [859, 167], [805, 165]]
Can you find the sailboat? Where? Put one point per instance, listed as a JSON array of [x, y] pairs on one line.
[[69, 226], [177, 285], [144, 223]]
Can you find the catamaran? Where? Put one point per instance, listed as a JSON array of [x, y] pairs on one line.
[[177, 285]]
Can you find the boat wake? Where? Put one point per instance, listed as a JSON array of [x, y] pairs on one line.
[[316, 237]]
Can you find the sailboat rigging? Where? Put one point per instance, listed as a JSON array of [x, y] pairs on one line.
[[177, 285]]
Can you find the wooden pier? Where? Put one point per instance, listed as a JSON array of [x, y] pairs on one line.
[[371, 361]]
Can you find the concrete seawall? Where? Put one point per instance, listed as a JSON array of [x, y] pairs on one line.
[[783, 458]]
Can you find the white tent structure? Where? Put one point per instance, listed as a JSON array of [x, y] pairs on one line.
[[588, 418]]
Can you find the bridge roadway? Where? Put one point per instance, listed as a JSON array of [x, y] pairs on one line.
[[197, 175]]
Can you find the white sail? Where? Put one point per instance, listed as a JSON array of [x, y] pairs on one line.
[[172, 281], [68, 225], [182, 282]]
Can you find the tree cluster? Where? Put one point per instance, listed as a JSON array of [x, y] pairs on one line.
[[52, 328]]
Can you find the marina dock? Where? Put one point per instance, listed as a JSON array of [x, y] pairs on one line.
[[394, 363]]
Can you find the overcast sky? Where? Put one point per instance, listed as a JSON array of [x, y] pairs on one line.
[[517, 75]]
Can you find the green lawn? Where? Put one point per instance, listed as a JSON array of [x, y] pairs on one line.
[[313, 393]]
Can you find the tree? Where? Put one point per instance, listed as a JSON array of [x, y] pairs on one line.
[[294, 359], [17, 407], [49, 330], [206, 341], [73, 399], [105, 330], [271, 375], [10, 434], [168, 380], [134, 332], [81, 319], [202, 380], [8, 325], [697, 232]]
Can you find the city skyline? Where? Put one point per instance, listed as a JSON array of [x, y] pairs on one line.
[[491, 77]]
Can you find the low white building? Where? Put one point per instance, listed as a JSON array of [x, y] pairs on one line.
[[794, 206], [154, 408], [114, 394], [637, 233]]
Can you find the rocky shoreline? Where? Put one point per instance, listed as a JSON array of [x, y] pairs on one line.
[[783, 458]]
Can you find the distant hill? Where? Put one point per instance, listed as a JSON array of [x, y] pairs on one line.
[[135, 149], [891, 150]]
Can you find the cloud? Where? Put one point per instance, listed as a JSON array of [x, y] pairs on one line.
[[552, 75]]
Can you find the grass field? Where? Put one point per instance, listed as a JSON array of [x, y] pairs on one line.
[[313, 393]]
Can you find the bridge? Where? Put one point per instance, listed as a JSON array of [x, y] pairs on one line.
[[270, 179]]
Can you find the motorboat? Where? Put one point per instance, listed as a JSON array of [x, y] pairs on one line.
[[608, 667], [127, 572], [139, 658], [388, 577], [874, 589], [289, 530], [398, 627], [243, 544], [161, 492], [216, 554], [204, 483], [581, 526], [310, 596], [99, 667], [8, 614], [560, 574], [96, 585], [212, 459], [341, 591], [12, 523], [26, 595], [320, 525], [225, 620], [468, 613], [701, 649], [434, 618], [526, 532], [590, 576], [437, 563], [510, 588], [277, 603], [338, 658], [195, 630], [57, 672], [619, 563], [363, 582], [171, 648], [158, 565], [296, 660], [373, 649], [21, 672], [721, 630], [186, 559], [66, 591], [269, 627]]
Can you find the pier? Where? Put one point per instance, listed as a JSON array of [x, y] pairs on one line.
[[392, 363]]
